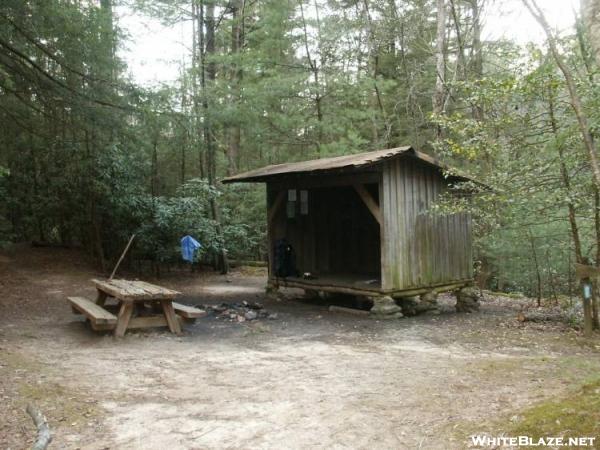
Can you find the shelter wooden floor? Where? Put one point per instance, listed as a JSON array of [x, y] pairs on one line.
[[360, 284], [351, 283]]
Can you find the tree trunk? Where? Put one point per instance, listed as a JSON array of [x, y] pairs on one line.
[[197, 69], [154, 169], [595, 300], [440, 64], [537, 269], [222, 260], [573, 220], [108, 38], [461, 60], [314, 68], [208, 79], [235, 132], [95, 231], [587, 59], [185, 130], [97, 235], [576, 104], [566, 180], [477, 58], [208, 75], [374, 61], [590, 11]]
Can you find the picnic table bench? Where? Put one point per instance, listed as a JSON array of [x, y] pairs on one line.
[[140, 305]]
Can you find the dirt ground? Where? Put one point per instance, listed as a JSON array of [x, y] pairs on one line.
[[308, 379]]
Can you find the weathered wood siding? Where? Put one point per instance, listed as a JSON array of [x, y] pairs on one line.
[[420, 249]]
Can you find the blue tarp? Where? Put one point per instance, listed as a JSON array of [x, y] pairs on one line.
[[189, 245]]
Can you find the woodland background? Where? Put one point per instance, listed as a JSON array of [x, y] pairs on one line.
[[87, 157]]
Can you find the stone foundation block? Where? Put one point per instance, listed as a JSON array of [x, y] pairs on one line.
[[385, 308]]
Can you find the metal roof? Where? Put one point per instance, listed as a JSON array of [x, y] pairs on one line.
[[354, 161]]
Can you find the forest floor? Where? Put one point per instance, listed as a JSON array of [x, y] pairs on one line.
[[308, 379]]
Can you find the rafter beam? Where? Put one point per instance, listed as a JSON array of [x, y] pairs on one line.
[[369, 202]]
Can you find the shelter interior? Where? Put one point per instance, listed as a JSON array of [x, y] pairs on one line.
[[335, 238]]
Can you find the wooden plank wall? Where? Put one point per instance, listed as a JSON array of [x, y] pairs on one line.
[[420, 249]]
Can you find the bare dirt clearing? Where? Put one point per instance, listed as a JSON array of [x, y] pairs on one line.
[[310, 379]]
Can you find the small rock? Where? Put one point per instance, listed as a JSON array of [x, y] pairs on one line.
[[467, 299], [250, 315], [272, 316], [255, 305]]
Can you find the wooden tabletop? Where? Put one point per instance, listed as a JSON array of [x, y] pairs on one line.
[[132, 291]]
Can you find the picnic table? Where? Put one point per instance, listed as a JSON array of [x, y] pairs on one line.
[[140, 305]]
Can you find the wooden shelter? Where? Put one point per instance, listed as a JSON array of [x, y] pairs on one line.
[[359, 224]]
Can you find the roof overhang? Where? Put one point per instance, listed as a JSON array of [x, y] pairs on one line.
[[355, 162]]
